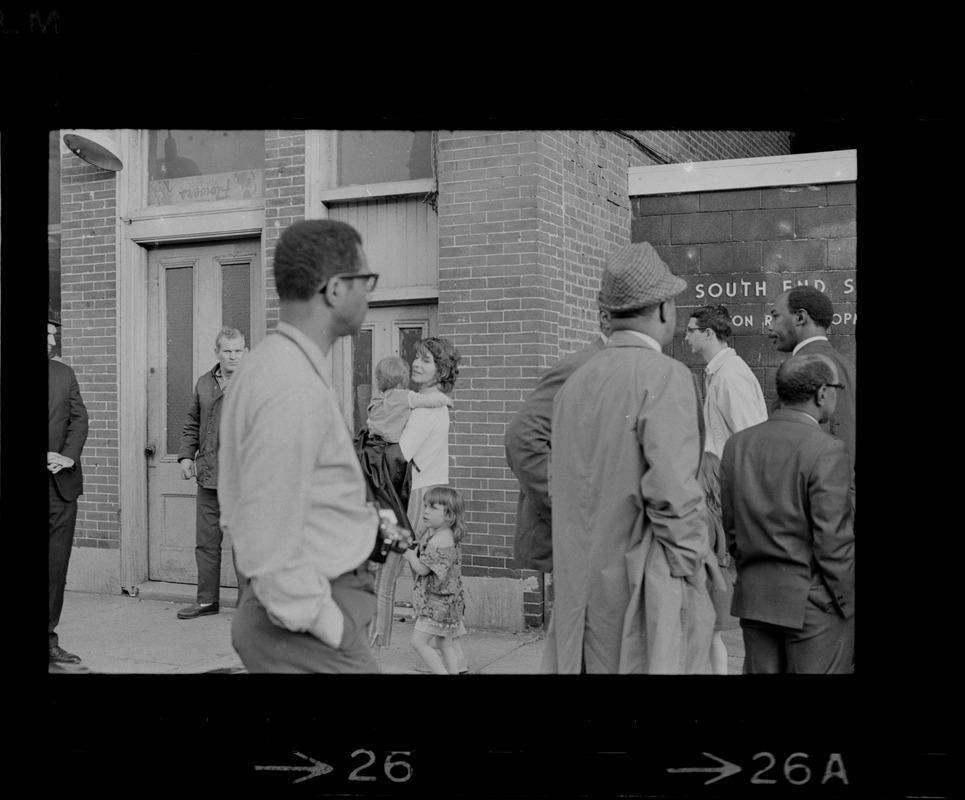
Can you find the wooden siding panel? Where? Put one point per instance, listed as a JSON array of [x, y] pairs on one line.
[[400, 237]]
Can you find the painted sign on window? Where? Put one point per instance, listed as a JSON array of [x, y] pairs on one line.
[[241, 185]]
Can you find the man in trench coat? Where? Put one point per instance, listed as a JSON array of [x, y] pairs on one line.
[[631, 548]]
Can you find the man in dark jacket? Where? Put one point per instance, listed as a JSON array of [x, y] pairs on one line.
[[528, 452], [799, 324], [198, 457], [788, 522], [66, 435]]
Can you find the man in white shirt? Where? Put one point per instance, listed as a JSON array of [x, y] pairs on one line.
[[293, 498], [733, 400]]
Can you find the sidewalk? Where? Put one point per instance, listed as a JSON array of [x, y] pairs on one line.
[[117, 634]]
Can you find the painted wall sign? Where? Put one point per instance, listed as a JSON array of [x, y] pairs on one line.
[[750, 297], [241, 185]]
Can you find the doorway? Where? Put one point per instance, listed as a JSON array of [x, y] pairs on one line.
[[193, 291]]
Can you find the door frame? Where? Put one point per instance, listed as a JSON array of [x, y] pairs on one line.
[[136, 232]]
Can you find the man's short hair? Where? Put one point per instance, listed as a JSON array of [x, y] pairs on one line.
[[310, 252], [714, 318], [229, 334], [391, 373], [816, 303], [800, 377]]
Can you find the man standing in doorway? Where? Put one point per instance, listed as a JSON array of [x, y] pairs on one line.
[[630, 540], [198, 457], [733, 400], [788, 522], [66, 435], [293, 497]]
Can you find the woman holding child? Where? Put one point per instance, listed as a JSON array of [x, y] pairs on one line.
[[424, 442]]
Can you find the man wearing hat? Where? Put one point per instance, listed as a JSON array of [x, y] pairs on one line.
[[631, 548], [66, 434]]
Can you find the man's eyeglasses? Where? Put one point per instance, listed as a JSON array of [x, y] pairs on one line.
[[370, 278], [691, 330], [835, 385]]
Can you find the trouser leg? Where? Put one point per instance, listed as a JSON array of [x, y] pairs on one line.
[[386, 576], [825, 645], [763, 648], [63, 518], [207, 551]]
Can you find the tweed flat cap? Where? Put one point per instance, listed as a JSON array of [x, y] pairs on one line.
[[636, 277]]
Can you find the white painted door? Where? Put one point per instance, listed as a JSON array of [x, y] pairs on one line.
[[193, 290]]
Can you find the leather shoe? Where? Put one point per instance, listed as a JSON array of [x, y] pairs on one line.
[[190, 612], [60, 656]]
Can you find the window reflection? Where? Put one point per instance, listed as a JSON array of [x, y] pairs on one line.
[[383, 156], [194, 166]]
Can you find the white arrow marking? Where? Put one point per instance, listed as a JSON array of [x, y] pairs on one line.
[[313, 772], [726, 769]]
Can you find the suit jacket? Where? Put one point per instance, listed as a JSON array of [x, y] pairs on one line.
[[527, 453], [66, 426], [788, 519], [629, 518]]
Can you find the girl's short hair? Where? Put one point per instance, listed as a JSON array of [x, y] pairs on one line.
[[446, 358], [392, 373], [451, 501]]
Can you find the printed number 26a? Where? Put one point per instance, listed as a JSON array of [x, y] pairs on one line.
[[396, 770]]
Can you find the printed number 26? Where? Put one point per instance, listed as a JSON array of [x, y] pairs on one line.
[[404, 768]]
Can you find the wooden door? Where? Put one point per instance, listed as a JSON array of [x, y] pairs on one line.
[[193, 290]]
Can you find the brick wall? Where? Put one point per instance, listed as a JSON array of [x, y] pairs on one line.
[[89, 338], [743, 248], [284, 201], [526, 222]]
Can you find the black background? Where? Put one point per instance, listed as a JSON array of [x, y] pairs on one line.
[[517, 735]]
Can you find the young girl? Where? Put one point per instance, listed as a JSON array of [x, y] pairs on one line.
[[437, 600]]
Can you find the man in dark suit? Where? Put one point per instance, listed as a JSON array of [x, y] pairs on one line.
[[788, 522], [66, 434], [799, 324], [528, 451]]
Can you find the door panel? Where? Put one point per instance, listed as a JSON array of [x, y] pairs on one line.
[[193, 290]]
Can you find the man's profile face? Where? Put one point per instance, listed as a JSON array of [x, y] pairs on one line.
[[356, 303], [670, 321], [51, 337], [694, 336], [782, 329], [230, 353], [830, 392]]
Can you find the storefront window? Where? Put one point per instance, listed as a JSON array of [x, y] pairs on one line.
[[190, 166], [383, 156]]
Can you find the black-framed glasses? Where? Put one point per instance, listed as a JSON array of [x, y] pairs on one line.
[[688, 329], [370, 278], [835, 385]]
